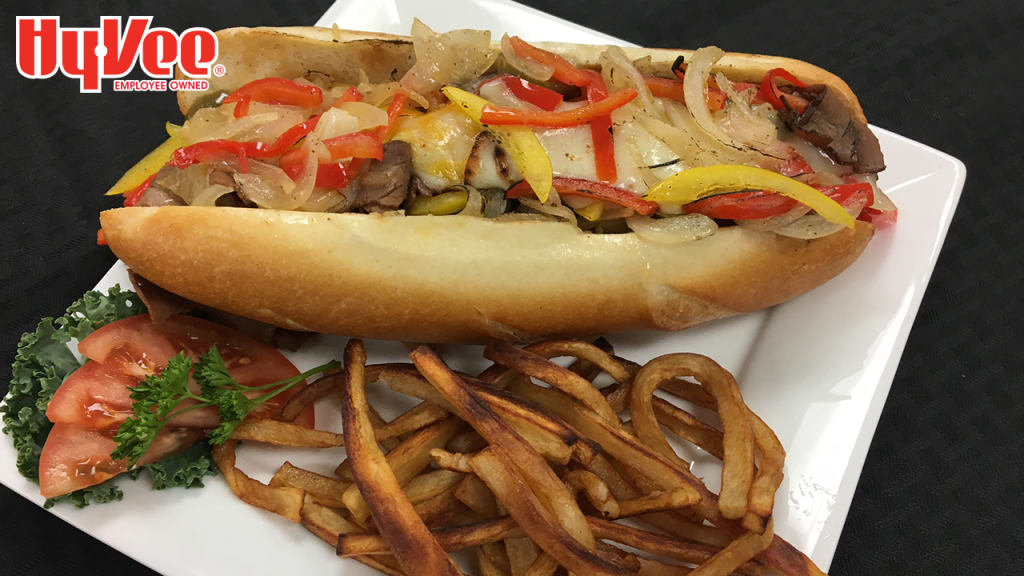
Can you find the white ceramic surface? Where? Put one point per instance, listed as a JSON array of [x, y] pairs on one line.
[[817, 369]]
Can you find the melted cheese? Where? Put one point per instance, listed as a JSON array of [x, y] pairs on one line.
[[441, 142]]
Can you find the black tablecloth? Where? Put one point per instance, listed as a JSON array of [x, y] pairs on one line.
[[943, 487]]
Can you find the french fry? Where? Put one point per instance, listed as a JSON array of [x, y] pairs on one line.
[[761, 498], [280, 433], [323, 387], [472, 492], [486, 565], [595, 489], [688, 427], [451, 539], [414, 547], [528, 512], [406, 461], [417, 417], [282, 500], [737, 437], [441, 510], [511, 447], [615, 441], [543, 369], [591, 353], [548, 436], [738, 552], [466, 442], [544, 565], [659, 544], [430, 484], [325, 490], [522, 553], [453, 461], [324, 522], [495, 552]]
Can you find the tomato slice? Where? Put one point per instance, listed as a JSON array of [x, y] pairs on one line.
[[124, 352], [75, 457]]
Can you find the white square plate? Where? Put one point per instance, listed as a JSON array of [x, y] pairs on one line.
[[817, 369]]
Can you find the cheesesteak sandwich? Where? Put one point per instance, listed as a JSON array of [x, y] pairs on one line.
[[446, 188]]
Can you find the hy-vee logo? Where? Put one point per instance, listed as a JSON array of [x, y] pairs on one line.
[[92, 54]]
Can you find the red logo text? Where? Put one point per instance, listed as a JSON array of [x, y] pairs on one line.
[[111, 51]]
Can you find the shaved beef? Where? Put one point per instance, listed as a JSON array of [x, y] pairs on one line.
[[829, 123], [383, 185]]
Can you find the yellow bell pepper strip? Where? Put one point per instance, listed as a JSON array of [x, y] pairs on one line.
[[695, 183], [519, 141], [150, 164]]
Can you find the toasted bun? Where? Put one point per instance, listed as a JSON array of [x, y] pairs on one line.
[[252, 53], [462, 279]]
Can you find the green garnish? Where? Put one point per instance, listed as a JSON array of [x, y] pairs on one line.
[[158, 400]]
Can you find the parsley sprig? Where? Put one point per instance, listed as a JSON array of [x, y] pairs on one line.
[[158, 399]]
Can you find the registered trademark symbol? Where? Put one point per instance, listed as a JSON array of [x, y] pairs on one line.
[[219, 70]]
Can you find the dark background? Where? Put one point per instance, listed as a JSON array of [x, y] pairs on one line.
[[943, 486]]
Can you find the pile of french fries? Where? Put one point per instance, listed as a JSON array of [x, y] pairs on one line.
[[532, 467]]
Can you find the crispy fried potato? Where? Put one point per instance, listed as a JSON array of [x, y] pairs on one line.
[[443, 510], [761, 499], [659, 544], [406, 461], [544, 565], [325, 490], [688, 427], [282, 500], [591, 353], [737, 437], [416, 418], [430, 484], [506, 442], [737, 553], [451, 539], [551, 438], [414, 547], [522, 553], [280, 433], [528, 512], [541, 368], [324, 522], [486, 564], [322, 388], [595, 489], [472, 492]]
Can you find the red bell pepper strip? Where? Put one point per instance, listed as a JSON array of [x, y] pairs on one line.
[[795, 165], [673, 89], [350, 95], [880, 218], [132, 198], [601, 132], [539, 96], [210, 149], [101, 240], [275, 91], [499, 116], [589, 189], [779, 100], [757, 204], [333, 175], [355, 145], [564, 71], [397, 103]]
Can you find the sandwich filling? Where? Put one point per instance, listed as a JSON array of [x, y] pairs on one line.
[[670, 151]]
